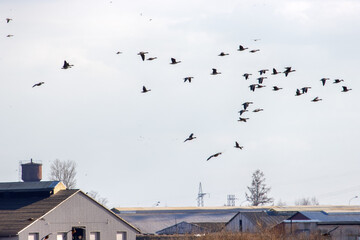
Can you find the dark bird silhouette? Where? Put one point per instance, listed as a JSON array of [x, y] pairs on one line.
[[118, 52], [8, 20], [67, 65], [316, 99], [298, 92], [276, 88], [173, 61], [9, 35], [241, 48], [260, 86], [323, 81], [261, 79], [242, 111], [222, 54], [247, 75], [257, 39], [214, 155], [258, 110], [188, 79], [263, 71], [345, 89], [288, 70], [151, 58], [191, 137], [254, 50], [274, 71], [237, 145], [253, 86], [38, 84], [338, 80], [246, 104], [144, 90], [242, 119], [47, 236], [305, 89], [215, 72], [142, 55]]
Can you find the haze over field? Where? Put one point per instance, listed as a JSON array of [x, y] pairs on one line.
[[129, 146]]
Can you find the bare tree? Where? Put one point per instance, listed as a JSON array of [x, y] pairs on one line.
[[258, 190], [281, 203], [307, 201], [64, 171], [95, 195]]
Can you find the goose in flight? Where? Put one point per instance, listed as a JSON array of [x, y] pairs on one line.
[[338, 80], [191, 137], [173, 61], [258, 110], [222, 54], [298, 92], [242, 119], [118, 52], [67, 65], [246, 104], [253, 86], [263, 71], [8, 20], [305, 89], [38, 84], [151, 58], [316, 99], [261, 79], [247, 75], [9, 35], [214, 155], [188, 79], [288, 70], [260, 86], [276, 88], [274, 71], [142, 55], [242, 111], [345, 89], [237, 145], [215, 72], [254, 50], [323, 80], [144, 90], [241, 48]]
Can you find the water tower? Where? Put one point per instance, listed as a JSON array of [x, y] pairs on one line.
[[31, 172]]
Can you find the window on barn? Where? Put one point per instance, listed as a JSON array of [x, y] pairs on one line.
[[61, 236], [33, 236], [121, 236], [78, 233], [94, 236]]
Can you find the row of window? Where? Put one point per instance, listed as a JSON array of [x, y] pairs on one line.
[[63, 236]]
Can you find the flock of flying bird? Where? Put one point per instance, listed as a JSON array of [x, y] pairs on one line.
[[253, 87]]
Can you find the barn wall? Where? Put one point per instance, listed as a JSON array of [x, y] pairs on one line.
[[79, 211]]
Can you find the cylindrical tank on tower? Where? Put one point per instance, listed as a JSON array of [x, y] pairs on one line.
[[31, 172]]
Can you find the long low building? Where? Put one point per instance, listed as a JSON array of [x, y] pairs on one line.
[[194, 220]]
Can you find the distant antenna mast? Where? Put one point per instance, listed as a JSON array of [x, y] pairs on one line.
[[200, 198]]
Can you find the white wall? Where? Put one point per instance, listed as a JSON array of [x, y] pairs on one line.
[[79, 210]]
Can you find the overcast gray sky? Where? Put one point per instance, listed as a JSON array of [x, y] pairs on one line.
[[130, 146]]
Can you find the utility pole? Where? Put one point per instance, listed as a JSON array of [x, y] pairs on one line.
[[200, 197]]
